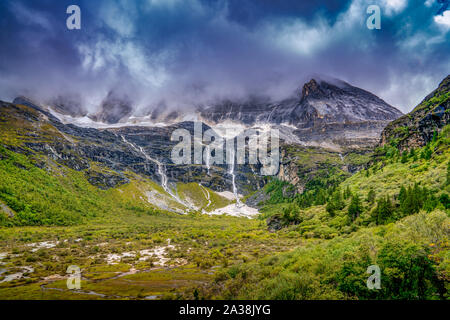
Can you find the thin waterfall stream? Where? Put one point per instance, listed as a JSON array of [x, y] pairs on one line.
[[161, 172], [233, 177]]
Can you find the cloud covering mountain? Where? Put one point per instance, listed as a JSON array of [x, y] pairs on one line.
[[187, 52]]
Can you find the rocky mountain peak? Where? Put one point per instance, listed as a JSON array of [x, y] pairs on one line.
[[311, 88], [114, 108], [320, 88], [418, 127]]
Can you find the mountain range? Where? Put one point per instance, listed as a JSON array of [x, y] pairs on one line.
[[328, 112], [337, 123], [108, 198]]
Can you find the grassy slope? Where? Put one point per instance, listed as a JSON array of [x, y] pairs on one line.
[[58, 195], [336, 269], [64, 207]]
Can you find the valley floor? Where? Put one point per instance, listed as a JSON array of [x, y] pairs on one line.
[[148, 257]]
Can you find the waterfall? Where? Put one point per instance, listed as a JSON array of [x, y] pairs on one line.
[[161, 172], [208, 158], [206, 194], [233, 176], [270, 114]]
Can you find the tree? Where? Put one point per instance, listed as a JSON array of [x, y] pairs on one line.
[[383, 211], [426, 153], [321, 197], [430, 203], [347, 193], [413, 199], [445, 200], [291, 215], [355, 208], [335, 203], [331, 209], [371, 196], [408, 271], [448, 174], [435, 136], [404, 157], [413, 154], [402, 194]]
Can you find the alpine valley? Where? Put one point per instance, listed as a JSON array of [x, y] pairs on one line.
[[359, 184]]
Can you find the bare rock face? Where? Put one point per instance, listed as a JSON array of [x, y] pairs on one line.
[[318, 102], [340, 102], [76, 147], [70, 105], [274, 223], [417, 128], [114, 109], [289, 173], [104, 180], [6, 210], [320, 111]]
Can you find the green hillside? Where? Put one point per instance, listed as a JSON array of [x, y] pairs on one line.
[[368, 220]]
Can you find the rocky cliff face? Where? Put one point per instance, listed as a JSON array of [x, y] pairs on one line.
[[68, 105], [322, 115], [321, 111], [418, 127], [113, 109], [318, 102], [339, 102], [105, 155]]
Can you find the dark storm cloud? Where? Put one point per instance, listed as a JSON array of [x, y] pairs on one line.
[[193, 51]]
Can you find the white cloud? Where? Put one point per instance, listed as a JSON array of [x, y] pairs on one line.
[[394, 6], [145, 69], [429, 3], [120, 17], [30, 17], [443, 20], [168, 3], [298, 36], [417, 86]]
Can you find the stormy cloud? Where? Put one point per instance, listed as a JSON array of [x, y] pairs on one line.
[[188, 52]]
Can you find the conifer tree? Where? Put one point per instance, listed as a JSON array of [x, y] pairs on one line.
[[435, 136], [371, 196], [355, 207], [335, 203], [448, 173], [383, 211], [426, 153], [402, 195], [404, 157], [347, 193], [445, 200]]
